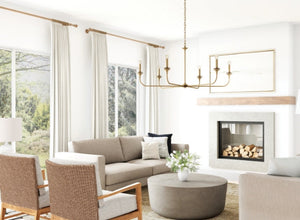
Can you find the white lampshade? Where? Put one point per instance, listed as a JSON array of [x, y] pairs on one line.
[[298, 103], [10, 129]]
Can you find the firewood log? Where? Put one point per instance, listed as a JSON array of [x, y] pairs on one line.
[[242, 146], [245, 154], [254, 149], [234, 149], [225, 154], [229, 148]]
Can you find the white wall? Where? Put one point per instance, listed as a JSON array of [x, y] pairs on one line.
[[33, 34], [189, 123]]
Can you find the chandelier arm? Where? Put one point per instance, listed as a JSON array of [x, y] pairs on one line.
[[216, 79], [170, 83], [210, 85], [152, 86]]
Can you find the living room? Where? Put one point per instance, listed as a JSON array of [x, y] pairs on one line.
[[252, 44]]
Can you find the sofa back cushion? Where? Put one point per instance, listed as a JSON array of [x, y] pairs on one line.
[[132, 147], [110, 148]]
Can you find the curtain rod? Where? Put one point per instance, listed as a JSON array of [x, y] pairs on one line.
[[38, 16], [126, 38]]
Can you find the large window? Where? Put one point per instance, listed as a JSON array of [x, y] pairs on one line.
[[121, 100], [25, 93]]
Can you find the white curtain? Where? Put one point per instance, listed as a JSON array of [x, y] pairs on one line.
[[60, 90], [100, 85], [151, 94]]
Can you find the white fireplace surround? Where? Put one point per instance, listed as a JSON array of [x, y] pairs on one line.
[[269, 122]]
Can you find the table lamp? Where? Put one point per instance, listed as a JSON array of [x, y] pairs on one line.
[[10, 131]]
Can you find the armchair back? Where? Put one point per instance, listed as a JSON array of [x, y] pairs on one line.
[[73, 191], [18, 181]]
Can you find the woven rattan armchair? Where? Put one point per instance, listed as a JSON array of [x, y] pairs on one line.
[[22, 186], [76, 194]]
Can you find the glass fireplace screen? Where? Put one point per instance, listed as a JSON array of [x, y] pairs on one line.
[[241, 140]]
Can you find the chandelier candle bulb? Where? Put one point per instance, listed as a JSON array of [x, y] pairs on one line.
[[199, 72], [167, 61], [140, 65]]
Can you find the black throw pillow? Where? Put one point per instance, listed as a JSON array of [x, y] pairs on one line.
[[163, 135]]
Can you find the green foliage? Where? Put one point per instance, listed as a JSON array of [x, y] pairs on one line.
[[127, 101], [5, 97], [111, 100], [41, 119], [26, 106], [5, 83], [36, 143]]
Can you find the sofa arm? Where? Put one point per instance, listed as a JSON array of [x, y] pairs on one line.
[[180, 147], [98, 159], [264, 196]]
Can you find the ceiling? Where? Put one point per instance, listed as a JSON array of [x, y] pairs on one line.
[[163, 19]]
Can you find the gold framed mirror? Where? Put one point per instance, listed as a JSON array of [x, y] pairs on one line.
[[252, 71]]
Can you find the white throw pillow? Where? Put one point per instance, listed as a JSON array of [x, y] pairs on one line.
[[163, 145], [150, 150], [284, 167]]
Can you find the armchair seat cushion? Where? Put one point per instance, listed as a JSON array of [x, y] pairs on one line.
[[158, 166], [117, 205], [122, 172], [44, 200]]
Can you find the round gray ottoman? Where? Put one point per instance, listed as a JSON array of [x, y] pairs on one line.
[[202, 196]]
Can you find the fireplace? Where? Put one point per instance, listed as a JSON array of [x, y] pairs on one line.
[[241, 140]]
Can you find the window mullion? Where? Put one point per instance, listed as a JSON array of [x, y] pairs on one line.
[[116, 101], [13, 84], [13, 90]]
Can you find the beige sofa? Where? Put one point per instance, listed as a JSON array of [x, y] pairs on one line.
[[266, 197], [119, 160]]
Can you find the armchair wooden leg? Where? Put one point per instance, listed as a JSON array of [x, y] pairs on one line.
[[37, 216], [3, 211], [139, 201]]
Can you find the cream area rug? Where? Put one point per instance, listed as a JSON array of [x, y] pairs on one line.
[[231, 211]]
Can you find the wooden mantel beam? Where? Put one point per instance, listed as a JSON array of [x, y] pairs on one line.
[[268, 100]]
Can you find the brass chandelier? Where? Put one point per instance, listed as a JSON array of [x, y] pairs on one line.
[[184, 84]]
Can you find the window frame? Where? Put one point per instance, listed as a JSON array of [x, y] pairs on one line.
[[116, 65], [14, 77]]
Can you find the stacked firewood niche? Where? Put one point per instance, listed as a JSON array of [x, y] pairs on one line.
[[244, 151]]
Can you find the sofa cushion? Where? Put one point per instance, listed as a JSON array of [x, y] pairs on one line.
[[122, 172], [132, 147], [44, 200], [150, 151], [284, 167], [117, 205], [164, 135], [110, 148], [163, 145], [158, 166]]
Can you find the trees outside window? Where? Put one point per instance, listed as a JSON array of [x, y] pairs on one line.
[[25, 93], [121, 100]]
